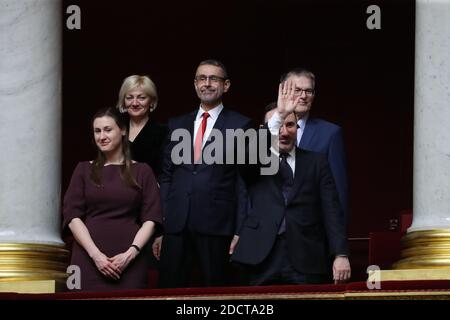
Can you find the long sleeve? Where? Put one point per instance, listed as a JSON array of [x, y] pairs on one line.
[[338, 165], [165, 179], [333, 220]]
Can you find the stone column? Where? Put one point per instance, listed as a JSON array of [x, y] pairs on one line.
[[427, 243], [30, 138]]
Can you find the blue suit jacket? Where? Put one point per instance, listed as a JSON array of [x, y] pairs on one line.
[[207, 197], [326, 137]]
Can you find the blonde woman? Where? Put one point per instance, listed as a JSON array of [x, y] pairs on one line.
[[138, 98]]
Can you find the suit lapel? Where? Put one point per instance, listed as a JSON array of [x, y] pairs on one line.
[[299, 176], [218, 125], [308, 133], [188, 124], [276, 185]]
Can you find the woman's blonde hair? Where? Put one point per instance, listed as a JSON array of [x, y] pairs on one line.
[[137, 81]]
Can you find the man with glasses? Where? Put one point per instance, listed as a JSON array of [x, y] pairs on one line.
[[318, 135], [293, 232], [201, 202]]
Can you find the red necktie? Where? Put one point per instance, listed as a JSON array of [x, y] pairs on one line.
[[199, 138]]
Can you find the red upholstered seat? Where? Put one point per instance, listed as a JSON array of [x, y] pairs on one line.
[[384, 246]]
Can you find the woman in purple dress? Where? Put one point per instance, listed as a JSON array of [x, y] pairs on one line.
[[112, 207]]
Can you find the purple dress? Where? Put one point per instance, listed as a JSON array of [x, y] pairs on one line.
[[113, 213]]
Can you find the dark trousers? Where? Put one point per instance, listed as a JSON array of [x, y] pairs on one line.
[[181, 253], [277, 269]]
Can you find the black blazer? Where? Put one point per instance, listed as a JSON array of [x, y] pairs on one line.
[[209, 194], [315, 229]]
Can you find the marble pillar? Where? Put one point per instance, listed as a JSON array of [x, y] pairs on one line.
[[30, 138], [427, 243]]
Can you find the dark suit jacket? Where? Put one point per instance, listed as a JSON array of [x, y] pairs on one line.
[[208, 194], [326, 137], [314, 226]]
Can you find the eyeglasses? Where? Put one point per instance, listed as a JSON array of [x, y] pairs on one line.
[[213, 79], [299, 91]]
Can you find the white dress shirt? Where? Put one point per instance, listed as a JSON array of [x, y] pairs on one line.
[[301, 128], [211, 120]]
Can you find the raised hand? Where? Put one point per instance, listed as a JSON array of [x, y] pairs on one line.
[[287, 99]]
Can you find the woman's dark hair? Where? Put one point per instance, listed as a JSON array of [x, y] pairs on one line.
[[99, 162]]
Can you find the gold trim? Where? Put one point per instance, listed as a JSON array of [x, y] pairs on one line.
[[32, 261], [410, 275], [425, 249], [439, 294], [434, 234], [255, 296], [38, 286], [399, 295]]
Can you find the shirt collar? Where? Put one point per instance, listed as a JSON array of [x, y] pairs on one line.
[[277, 154], [302, 122], [213, 113]]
